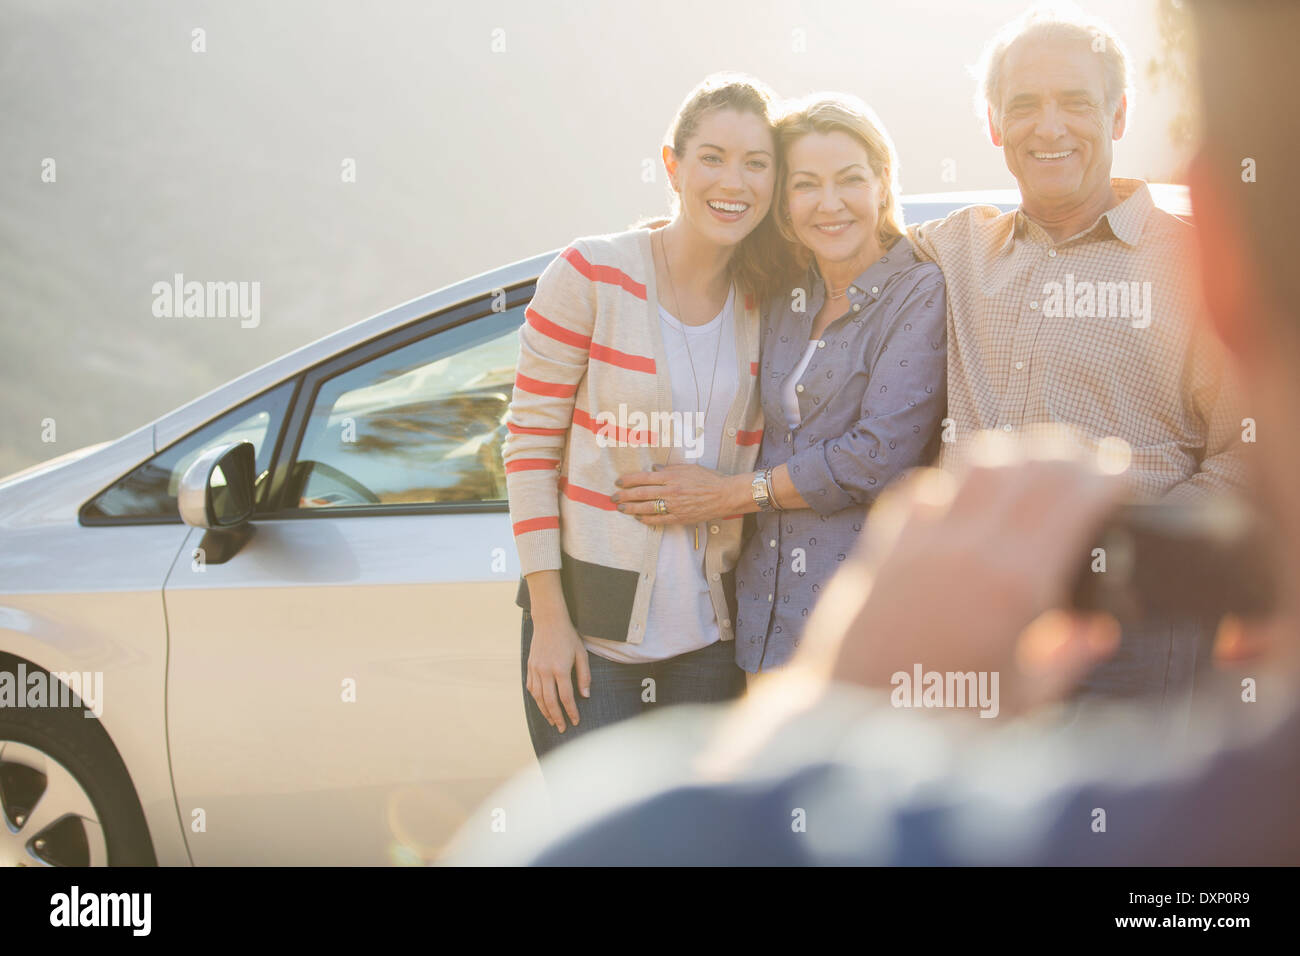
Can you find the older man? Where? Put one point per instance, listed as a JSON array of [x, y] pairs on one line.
[[1077, 310]]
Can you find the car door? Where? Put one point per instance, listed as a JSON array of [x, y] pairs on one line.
[[346, 687]]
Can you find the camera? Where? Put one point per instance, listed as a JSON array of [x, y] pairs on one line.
[[1173, 559]]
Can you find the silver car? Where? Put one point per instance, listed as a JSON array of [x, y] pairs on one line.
[[286, 608]]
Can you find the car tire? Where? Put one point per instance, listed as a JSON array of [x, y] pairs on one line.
[[93, 817]]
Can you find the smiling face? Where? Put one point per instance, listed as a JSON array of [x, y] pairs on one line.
[[1054, 128], [833, 197], [725, 175]]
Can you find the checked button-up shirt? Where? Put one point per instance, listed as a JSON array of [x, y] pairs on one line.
[[1096, 332]]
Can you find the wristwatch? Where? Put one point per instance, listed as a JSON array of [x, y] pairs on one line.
[[758, 487]]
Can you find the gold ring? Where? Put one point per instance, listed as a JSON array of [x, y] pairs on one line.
[[661, 507]]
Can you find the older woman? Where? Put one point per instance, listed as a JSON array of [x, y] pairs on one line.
[[852, 374]]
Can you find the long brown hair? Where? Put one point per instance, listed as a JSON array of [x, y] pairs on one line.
[[762, 263]]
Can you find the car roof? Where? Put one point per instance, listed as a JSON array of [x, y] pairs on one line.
[[181, 421]]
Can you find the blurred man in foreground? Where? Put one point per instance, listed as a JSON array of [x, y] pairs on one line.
[[967, 578]]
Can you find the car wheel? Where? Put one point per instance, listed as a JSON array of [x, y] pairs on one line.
[[65, 796]]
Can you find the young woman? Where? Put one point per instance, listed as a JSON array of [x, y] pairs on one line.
[[853, 379], [641, 349]]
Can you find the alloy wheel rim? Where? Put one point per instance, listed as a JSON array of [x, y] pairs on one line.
[[46, 816]]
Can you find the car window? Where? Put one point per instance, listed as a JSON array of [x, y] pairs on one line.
[[150, 490], [422, 424]]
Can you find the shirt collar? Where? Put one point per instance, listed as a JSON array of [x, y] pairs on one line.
[[1124, 221], [870, 283]]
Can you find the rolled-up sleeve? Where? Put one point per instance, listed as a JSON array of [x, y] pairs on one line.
[[901, 407]]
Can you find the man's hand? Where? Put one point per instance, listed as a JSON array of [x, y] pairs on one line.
[[969, 576]]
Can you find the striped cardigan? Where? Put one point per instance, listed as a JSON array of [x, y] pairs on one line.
[[591, 342]]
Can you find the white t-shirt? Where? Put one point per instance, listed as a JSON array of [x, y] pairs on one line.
[[790, 398], [681, 617]]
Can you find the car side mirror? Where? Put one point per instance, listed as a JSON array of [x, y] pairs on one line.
[[217, 491]]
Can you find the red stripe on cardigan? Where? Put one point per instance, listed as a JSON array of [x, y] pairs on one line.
[[753, 368], [521, 430], [554, 331], [611, 431], [538, 387], [749, 438], [586, 496], [532, 464], [749, 301], [536, 524], [610, 274], [637, 363]]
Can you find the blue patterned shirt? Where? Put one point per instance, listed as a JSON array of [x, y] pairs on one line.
[[870, 403]]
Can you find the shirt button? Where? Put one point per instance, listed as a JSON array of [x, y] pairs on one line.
[[713, 529], [731, 431], [1051, 253], [875, 289], [769, 597], [1033, 306], [716, 576], [772, 543], [1005, 428], [856, 306], [821, 344], [726, 625], [1020, 365], [798, 388], [853, 290]]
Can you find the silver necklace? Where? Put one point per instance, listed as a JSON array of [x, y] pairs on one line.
[[717, 350], [663, 250]]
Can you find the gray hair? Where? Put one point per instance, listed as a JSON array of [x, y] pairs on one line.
[[1051, 21]]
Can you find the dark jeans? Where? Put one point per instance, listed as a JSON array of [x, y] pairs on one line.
[[706, 676]]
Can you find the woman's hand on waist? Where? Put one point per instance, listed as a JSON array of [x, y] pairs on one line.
[[691, 493]]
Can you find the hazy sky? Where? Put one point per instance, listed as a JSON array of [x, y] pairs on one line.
[[226, 164]]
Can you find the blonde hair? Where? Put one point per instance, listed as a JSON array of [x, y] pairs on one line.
[[840, 112], [761, 263]]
